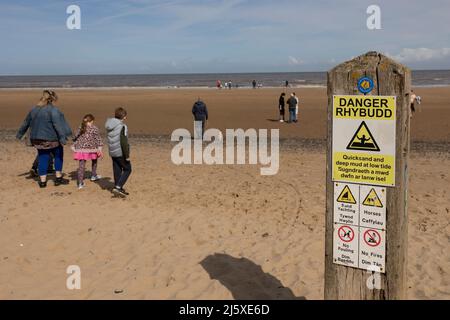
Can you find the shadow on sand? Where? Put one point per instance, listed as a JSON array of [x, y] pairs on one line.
[[245, 279], [273, 120], [105, 183]]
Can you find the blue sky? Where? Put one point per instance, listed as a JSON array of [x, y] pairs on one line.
[[187, 36]]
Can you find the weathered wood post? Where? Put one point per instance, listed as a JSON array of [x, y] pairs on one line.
[[367, 179]]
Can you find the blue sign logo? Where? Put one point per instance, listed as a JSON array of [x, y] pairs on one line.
[[365, 85]]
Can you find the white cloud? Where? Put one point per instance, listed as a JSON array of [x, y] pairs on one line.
[[294, 61], [421, 54]]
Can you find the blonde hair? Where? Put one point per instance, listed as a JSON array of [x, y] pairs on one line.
[[48, 97]]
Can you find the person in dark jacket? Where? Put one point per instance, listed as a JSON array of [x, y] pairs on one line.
[[49, 132], [200, 112], [119, 150], [281, 105]]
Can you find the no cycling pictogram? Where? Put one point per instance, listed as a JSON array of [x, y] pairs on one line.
[[346, 233], [372, 238]]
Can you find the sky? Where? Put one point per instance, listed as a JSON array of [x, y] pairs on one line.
[[199, 36]]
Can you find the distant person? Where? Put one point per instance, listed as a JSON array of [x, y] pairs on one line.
[[219, 84], [292, 103], [200, 112], [230, 84], [87, 147], [296, 108], [119, 150], [254, 84], [49, 133], [413, 99], [286, 83], [281, 106]]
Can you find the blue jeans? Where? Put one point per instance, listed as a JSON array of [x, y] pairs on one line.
[[44, 158], [292, 115]]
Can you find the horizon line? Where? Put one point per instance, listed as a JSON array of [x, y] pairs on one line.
[[181, 73]]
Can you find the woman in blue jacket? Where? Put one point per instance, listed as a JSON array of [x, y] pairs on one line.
[[49, 132]]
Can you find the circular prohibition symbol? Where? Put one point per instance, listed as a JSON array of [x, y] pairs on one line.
[[372, 238], [346, 233]]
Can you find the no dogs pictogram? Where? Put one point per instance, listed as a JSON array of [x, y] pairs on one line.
[[372, 238], [346, 233]]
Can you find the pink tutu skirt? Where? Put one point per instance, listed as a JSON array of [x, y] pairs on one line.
[[85, 156]]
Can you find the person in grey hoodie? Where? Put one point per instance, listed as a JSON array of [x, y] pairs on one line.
[[119, 150]]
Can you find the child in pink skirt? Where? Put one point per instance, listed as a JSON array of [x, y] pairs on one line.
[[88, 146]]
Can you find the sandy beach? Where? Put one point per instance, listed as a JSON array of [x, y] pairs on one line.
[[197, 231], [160, 111]]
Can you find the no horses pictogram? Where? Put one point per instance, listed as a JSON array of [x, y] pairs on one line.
[[372, 238], [346, 234]]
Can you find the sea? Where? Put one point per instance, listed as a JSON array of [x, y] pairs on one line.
[[420, 78]]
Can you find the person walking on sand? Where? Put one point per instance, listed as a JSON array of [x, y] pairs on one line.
[[281, 106], [119, 150], [254, 84], [88, 146], [413, 99], [296, 108], [292, 103], [49, 133], [219, 84], [200, 112]]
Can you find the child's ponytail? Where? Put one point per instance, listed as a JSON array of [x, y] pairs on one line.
[[87, 118]]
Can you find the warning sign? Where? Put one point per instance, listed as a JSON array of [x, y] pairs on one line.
[[364, 107], [372, 199], [360, 224], [372, 212], [364, 139], [345, 245], [346, 196], [346, 203], [372, 249]]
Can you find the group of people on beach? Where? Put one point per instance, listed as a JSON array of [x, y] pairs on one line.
[[292, 104], [49, 132], [229, 85], [226, 85]]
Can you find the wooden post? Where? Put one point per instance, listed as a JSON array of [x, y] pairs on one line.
[[389, 79]]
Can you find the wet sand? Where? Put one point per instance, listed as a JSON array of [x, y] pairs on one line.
[[160, 111]]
